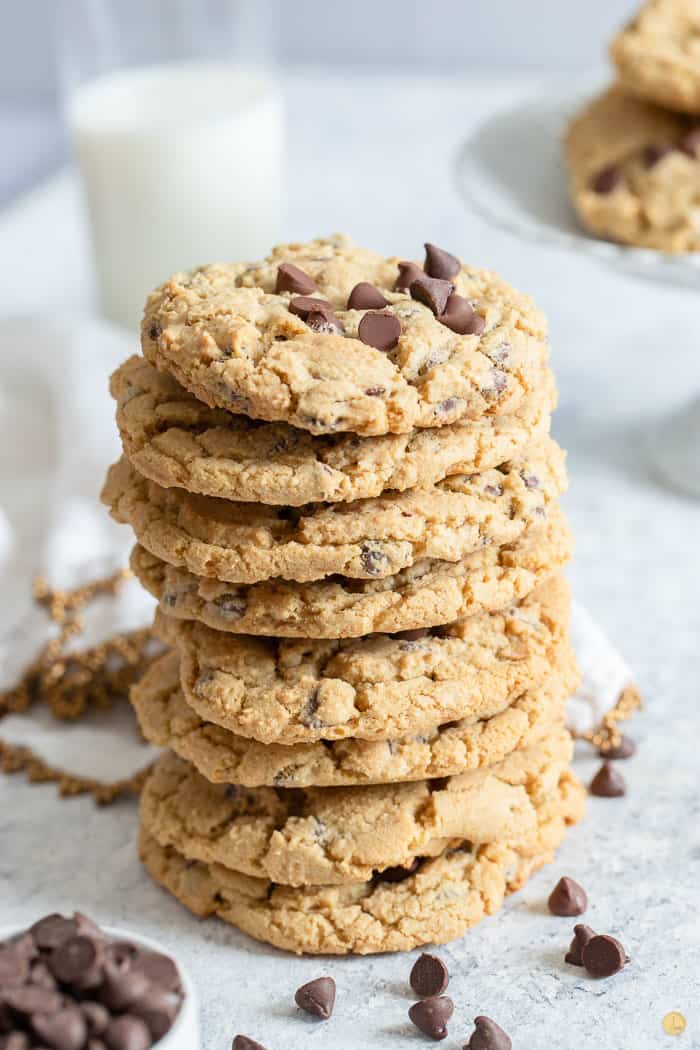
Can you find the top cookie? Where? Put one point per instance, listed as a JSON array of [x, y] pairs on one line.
[[319, 335], [658, 54]]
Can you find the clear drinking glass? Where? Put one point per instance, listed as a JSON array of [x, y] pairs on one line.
[[178, 125]]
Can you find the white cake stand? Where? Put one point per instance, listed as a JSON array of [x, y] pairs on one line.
[[511, 173]]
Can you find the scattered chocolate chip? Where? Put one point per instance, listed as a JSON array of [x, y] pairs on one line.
[[567, 898], [365, 296], [381, 331], [432, 293], [399, 874], [690, 143], [429, 976], [607, 179], [608, 783], [603, 955], [488, 1035], [291, 278], [317, 997], [375, 391], [232, 605], [582, 935], [408, 273], [431, 1015], [242, 1042], [52, 931], [155, 331], [459, 316], [625, 748], [651, 155], [439, 263], [63, 1030], [127, 1033]]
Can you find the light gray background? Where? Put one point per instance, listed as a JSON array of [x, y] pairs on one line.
[[417, 35], [483, 34]]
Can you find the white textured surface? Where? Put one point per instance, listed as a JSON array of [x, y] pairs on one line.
[[625, 352]]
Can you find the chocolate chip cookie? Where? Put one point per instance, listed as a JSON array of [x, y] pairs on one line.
[[657, 54], [166, 720], [176, 440], [635, 173], [299, 339], [381, 687], [368, 539], [330, 836], [434, 901]]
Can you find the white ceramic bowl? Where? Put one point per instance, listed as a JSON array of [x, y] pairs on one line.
[[184, 1034]]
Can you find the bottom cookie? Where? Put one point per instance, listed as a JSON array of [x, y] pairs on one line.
[[437, 902]]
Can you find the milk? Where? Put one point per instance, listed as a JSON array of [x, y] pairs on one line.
[[182, 165]]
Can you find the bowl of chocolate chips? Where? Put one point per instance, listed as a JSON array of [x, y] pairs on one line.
[[68, 984]]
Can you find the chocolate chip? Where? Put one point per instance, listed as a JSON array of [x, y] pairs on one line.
[[412, 636], [74, 960], [374, 560], [96, 1017], [63, 1030], [431, 1015], [429, 976], [291, 278], [431, 292], [242, 1042], [567, 898], [690, 143], [15, 1041], [14, 966], [157, 1009], [582, 935], [155, 331], [625, 748], [41, 976], [121, 988], [381, 331], [365, 296], [317, 997], [603, 955], [607, 179], [127, 1033], [32, 1000], [488, 1035], [399, 874], [52, 931], [439, 263], [651, 155], [608, 783], [304, 305], [459, 316], [160, 969], [319, 322], [232, 605], [408, 273]]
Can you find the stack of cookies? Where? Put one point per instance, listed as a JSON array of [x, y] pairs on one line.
[[634, 152], [339, 473]]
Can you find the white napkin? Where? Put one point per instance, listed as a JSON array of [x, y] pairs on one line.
[[57, 437]]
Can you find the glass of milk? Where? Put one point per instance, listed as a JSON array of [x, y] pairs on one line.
[[178, 126]]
